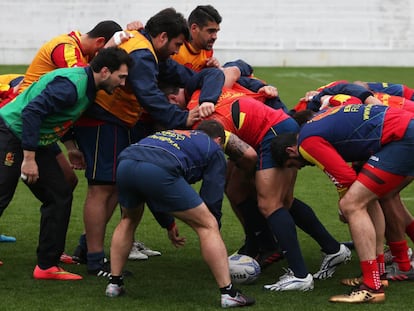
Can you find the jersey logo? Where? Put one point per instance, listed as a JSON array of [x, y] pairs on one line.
[[9, 159]]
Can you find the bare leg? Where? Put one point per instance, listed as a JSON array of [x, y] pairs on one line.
[[99, 207], [123, 237], [212, 246], [275, 189], [237, 188], [354, 207], [396, 215], [212, 249]]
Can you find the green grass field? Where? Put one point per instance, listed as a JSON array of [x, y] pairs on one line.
[[179, 279]]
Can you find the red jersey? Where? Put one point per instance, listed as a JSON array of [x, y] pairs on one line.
[[395, 101], [244, 116]]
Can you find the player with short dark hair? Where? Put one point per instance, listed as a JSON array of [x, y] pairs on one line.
[[383, 137], [69, 50], [74, 49], [400, 268], [118, 120], [197, 52], [171, 161], [31, 124]]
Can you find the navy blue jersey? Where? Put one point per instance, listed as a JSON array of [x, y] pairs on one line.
[[188, 153], [341, 88], [355, 131], [344, 134], [392, 89]]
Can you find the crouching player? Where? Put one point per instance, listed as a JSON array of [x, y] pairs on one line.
[[154, 171]]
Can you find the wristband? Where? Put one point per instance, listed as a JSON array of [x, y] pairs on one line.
[[117, 37], [325, 101]]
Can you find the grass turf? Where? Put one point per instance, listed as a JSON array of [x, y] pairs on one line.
[[179, 279]]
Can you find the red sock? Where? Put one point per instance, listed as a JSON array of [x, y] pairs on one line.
[[399, 251], [381, 264], [409, 230], [370, 274]]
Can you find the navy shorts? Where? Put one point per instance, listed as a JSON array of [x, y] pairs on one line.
[[264, 152], [397, 157], [163, 191], [101, 146]]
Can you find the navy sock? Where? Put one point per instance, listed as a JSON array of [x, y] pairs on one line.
[[306, 219], [258, 234], [95, 260], [118, 280], [230, 290], [259, 237], [266, 240], [249, 211], [284, 229]]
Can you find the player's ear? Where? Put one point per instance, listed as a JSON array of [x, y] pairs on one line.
[[163, 37], [193, 26], [105, 73], [219, 141], [172, 98], [100, 42], [292, 151]]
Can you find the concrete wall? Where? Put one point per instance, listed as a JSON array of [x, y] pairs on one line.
[[263, 32]]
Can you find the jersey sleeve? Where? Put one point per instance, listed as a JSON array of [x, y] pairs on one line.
[[67, 55], [321, 153], [210, 81], [59, 94], [143, 80]]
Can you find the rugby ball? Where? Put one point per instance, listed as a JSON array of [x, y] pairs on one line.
[[243, 269]]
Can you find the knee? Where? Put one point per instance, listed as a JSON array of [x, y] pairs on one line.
[[211, 223], [348, 206], [267, 210], [206, 226]]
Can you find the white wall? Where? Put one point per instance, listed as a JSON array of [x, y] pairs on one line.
[[263, 32]]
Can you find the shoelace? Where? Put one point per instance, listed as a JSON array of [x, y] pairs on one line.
[[288, 273]]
